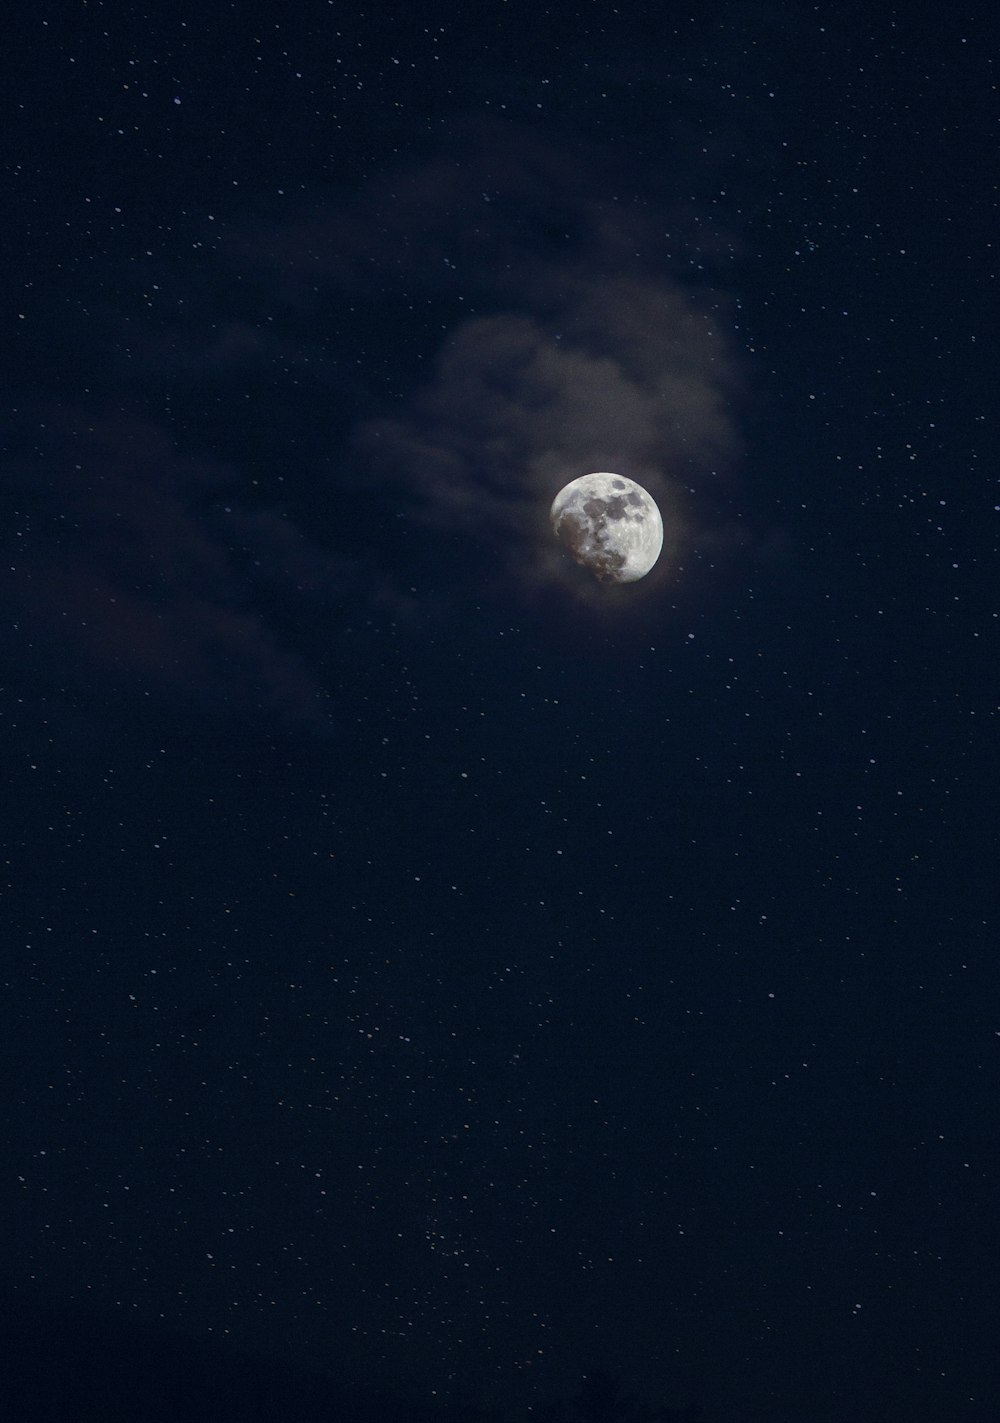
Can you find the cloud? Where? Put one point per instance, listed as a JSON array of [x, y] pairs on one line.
[[626, 376], [586, 353], [125, 580], [361, 410], [572, 329]]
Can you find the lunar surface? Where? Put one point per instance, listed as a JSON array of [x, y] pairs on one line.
[[610, 525]]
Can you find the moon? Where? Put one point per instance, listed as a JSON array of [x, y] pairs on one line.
[[610, 525]]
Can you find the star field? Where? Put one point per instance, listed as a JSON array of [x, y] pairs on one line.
[[430, 975]]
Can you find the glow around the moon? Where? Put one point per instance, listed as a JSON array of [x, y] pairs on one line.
[[610, 525]]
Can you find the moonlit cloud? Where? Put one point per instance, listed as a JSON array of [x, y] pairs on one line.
[[278, 433], [625, 374], [582, 350]]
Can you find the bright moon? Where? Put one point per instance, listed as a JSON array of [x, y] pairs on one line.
[[610, 525]]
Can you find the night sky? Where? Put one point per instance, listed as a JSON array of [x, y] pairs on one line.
[[430, 974]]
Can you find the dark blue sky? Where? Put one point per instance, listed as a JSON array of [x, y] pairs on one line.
[[425, 969]]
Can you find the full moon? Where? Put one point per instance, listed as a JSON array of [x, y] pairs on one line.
[[610, 525]]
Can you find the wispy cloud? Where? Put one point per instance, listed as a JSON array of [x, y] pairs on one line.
[[429, 356], [624, 374], [124, 578], [574, 342], [600, 361]]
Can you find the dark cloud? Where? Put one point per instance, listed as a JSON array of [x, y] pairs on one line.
[[124, 577], [572, 341], [273, 436], [586, 351], [626, 374]]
